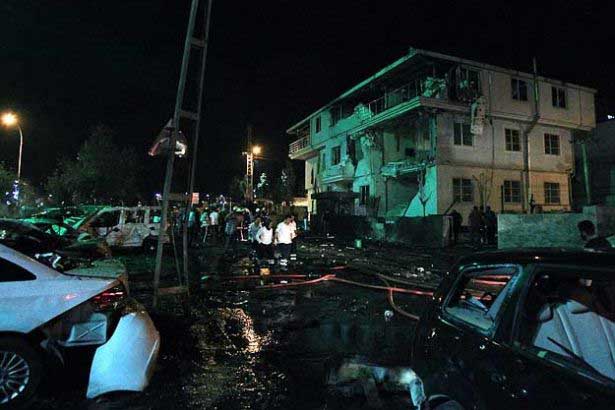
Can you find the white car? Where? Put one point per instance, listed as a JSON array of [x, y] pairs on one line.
[[126, 227], [44, 312]]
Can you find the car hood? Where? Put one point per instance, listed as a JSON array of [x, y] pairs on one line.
[[26, 305]]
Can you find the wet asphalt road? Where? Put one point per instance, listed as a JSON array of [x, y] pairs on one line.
[[244, 348]]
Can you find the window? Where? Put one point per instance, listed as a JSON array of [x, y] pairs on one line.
[[565, 320], [312, 177], [558, 97], [519, 89], [462, 190], [512, 192], [479, 296], [462, 134], [398, 142], [336, 155], [317, 125], [358, 151], [551, 144], [321, 163], [513, 142], [364, 195], [9, 272], [469, 79], [410, 152], [552, 193], [107, 220]]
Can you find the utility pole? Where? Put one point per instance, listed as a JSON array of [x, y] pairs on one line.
[[189, 42], [249, 166]]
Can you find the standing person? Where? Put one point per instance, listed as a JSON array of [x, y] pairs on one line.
[[476, 222], [587, 229], [214, 223], [204, 221], [491, 224], [264, 237], [283, 239], [230, 230], [252, 232], [293, 237], [457, 220]]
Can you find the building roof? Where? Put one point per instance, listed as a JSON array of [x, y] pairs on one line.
[[414, 52]]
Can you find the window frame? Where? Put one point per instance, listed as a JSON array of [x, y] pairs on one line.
[[549, 147], [491, 332], [510, 133], [510, 191], [336, 155], [529, 276], [559, 97], [559, 193], [515, 85], [462, 127], [461, 189], [317, 125]]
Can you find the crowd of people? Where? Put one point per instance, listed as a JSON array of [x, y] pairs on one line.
[[482, 225], [268, 242]]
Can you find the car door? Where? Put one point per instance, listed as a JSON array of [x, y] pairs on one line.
[[533, 377], [462, 342]]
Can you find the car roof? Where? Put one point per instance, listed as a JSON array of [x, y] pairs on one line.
[[572, 256]]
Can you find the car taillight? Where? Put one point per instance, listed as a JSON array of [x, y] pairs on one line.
[[110, 299]]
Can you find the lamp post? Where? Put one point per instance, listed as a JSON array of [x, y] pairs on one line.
[[9, 120], [251, 155]]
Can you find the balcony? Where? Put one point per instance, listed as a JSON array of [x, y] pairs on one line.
[[401, 168], [301, 149], [342, 172], [429, 87]]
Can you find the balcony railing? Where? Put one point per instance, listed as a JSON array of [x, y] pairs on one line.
[[298, 145], [429, 87], [340, 172]]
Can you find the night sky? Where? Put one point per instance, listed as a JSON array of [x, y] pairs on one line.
[[67, 65]]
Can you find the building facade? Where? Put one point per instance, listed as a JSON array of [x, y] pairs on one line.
[[432, 132]]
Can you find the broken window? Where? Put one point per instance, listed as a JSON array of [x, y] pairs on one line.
[[519, 89], [463, 190], [552, 144], [558, 97], [513, 142], [512, 192], [364, 195], [336, 155], [462, 134], [480, 295], [552, 193]]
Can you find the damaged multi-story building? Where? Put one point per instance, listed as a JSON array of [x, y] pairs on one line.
[[431, 132]]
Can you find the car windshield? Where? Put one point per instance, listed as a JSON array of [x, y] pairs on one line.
[[569, 319], [13, 233]]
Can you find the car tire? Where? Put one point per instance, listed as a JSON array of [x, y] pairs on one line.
[[18, 356]]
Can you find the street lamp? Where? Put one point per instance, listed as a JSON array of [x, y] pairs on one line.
[[256, 150], [251, 155], [10, 120]]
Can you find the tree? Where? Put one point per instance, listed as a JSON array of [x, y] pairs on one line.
[[285, 186], [101, 172], [238, 187], [6, 180]]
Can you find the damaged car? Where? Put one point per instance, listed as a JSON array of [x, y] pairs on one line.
[[45, 313], [525, 329]]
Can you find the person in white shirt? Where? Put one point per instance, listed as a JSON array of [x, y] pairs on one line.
[[293, 248], [253, 229], [264, 237], [214, 223], [284, 238]]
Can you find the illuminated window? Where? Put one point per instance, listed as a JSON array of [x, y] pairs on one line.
[[462, 134], [558, 97], [513, 142], [512, 192], [336, 155], [364, 194], [519, 89], [462, 190], [552, 144], [552, 193]]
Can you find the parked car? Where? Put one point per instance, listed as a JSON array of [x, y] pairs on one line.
[[29, 239], [70, 215], [45, 313], [126, 227], [526, 329]]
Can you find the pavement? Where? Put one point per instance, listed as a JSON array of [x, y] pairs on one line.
[[244, 346]]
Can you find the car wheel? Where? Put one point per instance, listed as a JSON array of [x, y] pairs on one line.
[[20, 371]]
